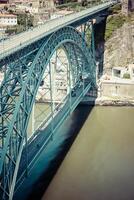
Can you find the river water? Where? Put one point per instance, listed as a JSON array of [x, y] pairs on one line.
[[99, 164]]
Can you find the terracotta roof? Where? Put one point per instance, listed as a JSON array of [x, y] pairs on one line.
[[7, 15]]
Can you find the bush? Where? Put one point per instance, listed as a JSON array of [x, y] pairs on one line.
[[113, 23], [116, 9], [126, 76]]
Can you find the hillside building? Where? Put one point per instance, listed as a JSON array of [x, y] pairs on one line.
[[42, 4], [4, 1], [8, 20]]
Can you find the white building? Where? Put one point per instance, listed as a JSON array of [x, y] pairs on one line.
[[8, 20]]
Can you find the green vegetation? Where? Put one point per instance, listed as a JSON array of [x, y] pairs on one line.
[[88, 37], [71, 6], [25, 21], [116, 20], [77, 6], [126, 76], [115, 9]]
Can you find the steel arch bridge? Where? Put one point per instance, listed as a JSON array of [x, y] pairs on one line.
[[24, 72], [18, 93]]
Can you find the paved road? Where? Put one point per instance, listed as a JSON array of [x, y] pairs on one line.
[[27, 37]]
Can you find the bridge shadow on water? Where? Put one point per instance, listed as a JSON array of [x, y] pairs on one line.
[[55, 153]]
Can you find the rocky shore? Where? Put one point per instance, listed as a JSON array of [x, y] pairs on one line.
[[106, 101], [114, 102]]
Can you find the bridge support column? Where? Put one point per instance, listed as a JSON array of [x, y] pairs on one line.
[[69, 85], [52, 97], [99, 40]]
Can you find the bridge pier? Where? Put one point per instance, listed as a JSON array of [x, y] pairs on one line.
[[99, 41]]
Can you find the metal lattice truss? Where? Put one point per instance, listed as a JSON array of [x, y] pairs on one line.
[[22, 79]]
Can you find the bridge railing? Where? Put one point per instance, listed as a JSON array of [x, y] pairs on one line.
[[22, 40]]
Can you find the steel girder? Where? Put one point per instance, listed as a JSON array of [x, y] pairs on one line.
[[18, 92]]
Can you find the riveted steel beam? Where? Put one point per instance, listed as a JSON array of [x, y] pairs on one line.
[[18, 93]]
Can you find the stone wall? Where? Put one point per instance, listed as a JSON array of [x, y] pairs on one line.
[[123, 89]]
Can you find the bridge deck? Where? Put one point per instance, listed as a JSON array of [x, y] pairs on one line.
[[17, 42]]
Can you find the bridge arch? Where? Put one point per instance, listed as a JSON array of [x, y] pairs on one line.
[[73, 43]]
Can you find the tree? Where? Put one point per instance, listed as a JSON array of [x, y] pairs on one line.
[[84, 2], [25, 20]]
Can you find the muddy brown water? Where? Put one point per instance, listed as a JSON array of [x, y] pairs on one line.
[[100, 163]]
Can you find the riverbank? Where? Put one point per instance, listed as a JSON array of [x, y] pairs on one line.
[[114, 102], [108, 101], [104, 101]]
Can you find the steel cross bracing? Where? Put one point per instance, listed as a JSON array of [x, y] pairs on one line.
[[18, 91], [23, 74]]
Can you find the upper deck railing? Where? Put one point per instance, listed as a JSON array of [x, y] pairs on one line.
[[23, 39]]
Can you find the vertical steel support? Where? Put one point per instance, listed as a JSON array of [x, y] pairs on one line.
[[70, 89], [99, 40], [83, 29], [51, 97], [19, 92], [77, 63], [93, 49], [92, 41], [26, 146], [33, 120]]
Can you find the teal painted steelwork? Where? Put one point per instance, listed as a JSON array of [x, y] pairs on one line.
[[24, 67], [18, 92], [30, 37]]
